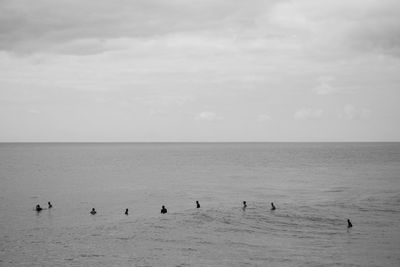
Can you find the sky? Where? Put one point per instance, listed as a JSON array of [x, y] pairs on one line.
[[199, 70]]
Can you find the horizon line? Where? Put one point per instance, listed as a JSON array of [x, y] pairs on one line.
[[181, 142]]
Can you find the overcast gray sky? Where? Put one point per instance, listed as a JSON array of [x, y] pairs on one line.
[[200, 70]]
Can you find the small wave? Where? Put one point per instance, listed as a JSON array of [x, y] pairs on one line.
[[97, 234], [198, 218], [246, 244], [159, 226], [90, 255], [204, 217], [205, 242], [38, 242], [166, 240], [125, 238], [189, 249], [336, 189]]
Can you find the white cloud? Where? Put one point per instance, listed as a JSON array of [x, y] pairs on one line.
[[208, 116], [159, 101], [308, 114], [28, 27], [351, 112], [263, 117], [324, 86], [332, 29], [34, 111], [83, 27], [324, 89]]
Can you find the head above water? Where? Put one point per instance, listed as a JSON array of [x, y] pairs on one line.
[[163, 210], [349, 224]]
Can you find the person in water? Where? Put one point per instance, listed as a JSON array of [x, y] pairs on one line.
[[163, 210], [126, 212], [38, 208], [198, 204], [273, 206], [349, 224], [50, 206], [93, 212], [244, 204]]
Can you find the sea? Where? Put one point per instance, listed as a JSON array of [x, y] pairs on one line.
[[315, 187]]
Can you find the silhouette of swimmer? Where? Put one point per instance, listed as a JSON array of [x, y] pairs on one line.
[[244, 204], [273, 206], [349, 224], [197, 204], [50, 206], [38, 208], [163, 210], [93, 211], [126, 212]]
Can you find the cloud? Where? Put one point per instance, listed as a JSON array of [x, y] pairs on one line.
[[380, 30], [324, 89], [158, 101], [321, 28], [324, 86], [350, 112], [308, 114], [263, 118], [27, 26], [332, 29], [208, 116], [34, 111]]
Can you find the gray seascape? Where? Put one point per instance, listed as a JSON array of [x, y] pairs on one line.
[[315, 186], [135, 132]]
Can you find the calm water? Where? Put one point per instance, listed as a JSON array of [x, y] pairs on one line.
[[315, 186]]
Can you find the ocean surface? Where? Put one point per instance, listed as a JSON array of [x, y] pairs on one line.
[[316, 187]]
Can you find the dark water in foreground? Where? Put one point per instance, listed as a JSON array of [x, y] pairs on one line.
[[315, 186]]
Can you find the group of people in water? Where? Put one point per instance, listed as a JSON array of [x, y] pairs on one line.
[[164, 210], [39, 208]]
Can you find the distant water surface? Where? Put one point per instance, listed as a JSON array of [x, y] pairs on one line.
[[315, 186]]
